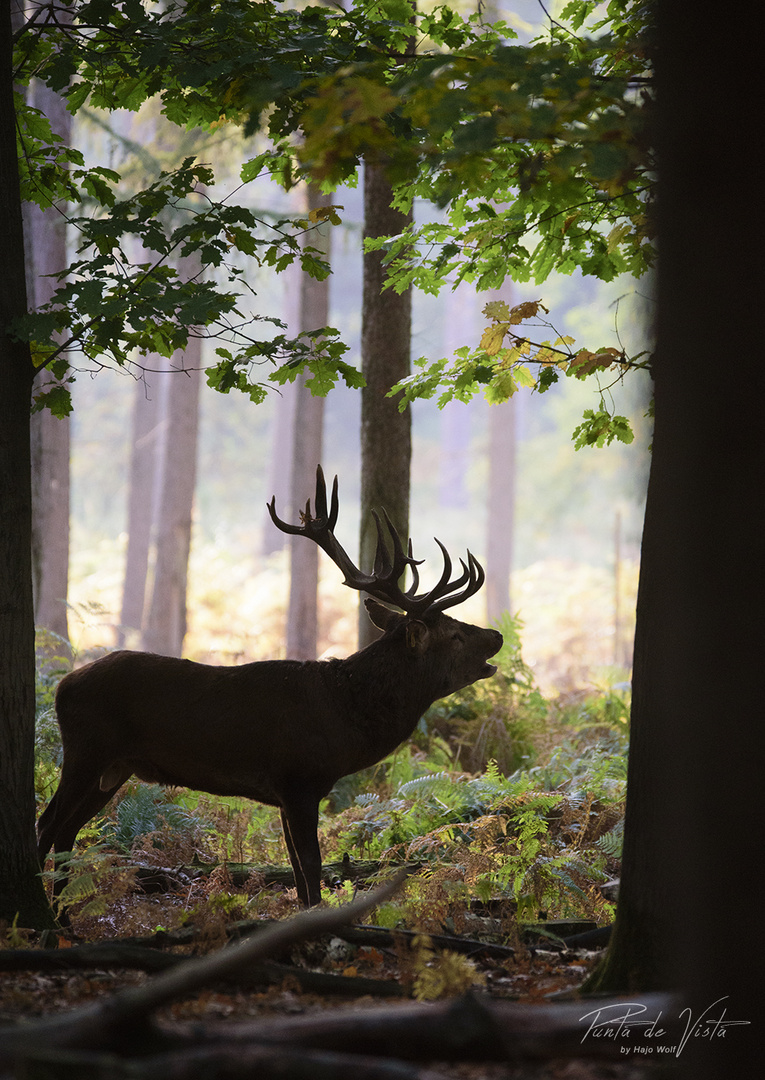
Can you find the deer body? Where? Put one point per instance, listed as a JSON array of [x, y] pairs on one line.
[[281, 732]]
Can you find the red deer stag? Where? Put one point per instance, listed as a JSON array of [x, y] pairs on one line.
[[281, 732]]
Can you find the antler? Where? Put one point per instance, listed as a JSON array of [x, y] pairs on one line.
[[383, 582]]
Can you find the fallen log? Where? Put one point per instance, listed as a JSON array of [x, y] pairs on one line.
[[241, 1063], [471, 1028], [124, 1020], [110, 956]]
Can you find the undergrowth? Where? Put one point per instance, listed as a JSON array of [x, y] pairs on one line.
[[505, 804]]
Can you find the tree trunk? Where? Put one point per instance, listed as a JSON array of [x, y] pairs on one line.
[[21, 892], [694, 798], [145, 456], [501, 508], [280, 465], [308, 426], [456, 415], [166, 623], [386, 443], [501, 496], [46, 255]]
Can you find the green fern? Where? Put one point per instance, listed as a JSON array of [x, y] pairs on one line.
[[611, 842], [146, 809]]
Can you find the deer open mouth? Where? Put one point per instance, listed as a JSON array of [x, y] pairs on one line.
[[488, 669]]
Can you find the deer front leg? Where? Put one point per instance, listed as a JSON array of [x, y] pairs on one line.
[[300, 821]]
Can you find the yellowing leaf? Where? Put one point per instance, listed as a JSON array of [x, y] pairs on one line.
[[497, 309], [527, 310], [501, 387], [523, 376], [492, 338], [617, 234], [325, 213], [586, 362], [509, 356]]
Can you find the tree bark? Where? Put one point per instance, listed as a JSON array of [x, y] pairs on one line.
[[694, 800], [21, 892], [386, 441], [45, 236], [307, 439]]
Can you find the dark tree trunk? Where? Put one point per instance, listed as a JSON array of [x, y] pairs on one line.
[[21, 891], [694, 800], [307, 438], [46, 255], [386, 446]]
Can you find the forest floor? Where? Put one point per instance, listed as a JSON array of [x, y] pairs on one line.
[[357, 970]]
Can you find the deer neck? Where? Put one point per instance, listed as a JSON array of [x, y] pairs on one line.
[[387, 685]]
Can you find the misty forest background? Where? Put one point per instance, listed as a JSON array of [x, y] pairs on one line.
[[572, 520], [577, 513]]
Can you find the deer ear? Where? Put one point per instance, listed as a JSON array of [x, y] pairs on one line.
[[417, 635], [381, 615]]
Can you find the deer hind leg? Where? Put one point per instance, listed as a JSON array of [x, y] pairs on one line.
[[77, 799], [300, 820]]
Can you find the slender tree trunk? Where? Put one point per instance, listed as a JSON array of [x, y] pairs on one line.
[[386, 441], [279, 465], [145, 456], [501, 501], [46, 255], [166, 622], [694, 799], [21, 891], [501, 507], [307, 438], [456, 415]]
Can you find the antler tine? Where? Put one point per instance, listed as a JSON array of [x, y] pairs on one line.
[[321, 500], [319, 529], [472, 578], [313, 525], [389, 567], [413, 563]]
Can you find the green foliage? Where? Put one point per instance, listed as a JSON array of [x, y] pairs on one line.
[[53, 661], [537, 155], [499, 371], [205, 65], [611, 842], [146, 810], [498, 719], [601, 428], [537, 835], [540, 159]]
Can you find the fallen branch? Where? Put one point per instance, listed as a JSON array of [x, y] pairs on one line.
[[470, 1028], [240, 1063], [124, 1019], [127, 957]]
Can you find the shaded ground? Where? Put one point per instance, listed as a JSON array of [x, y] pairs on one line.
[[358, 977]]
